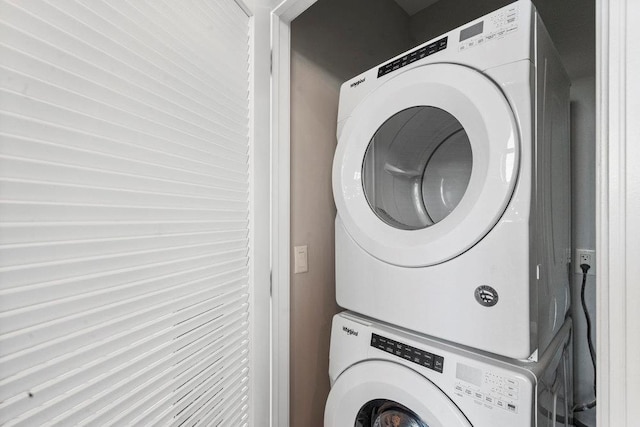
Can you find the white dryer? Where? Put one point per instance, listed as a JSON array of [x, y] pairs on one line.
[[385, 376], [452, 185]]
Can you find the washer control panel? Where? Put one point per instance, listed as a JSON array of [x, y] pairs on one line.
[[412, 354], [488, 388]]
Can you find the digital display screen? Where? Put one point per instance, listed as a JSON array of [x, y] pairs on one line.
[[471, 31], [469, 374]]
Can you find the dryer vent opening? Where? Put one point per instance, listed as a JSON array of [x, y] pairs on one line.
[[417, 167]]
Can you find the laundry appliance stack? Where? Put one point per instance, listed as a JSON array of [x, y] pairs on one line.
[[452, 185]]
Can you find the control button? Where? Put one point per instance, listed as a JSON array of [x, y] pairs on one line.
[[468, 392], [438, 363], [512, 382], [459, 388], [500, 404], [478, 395], [512, 407], [489, 399], [408, 352]]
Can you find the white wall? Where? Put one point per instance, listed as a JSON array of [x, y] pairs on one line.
[[583, 154]]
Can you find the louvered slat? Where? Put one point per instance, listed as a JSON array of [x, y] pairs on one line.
[[124, 212]]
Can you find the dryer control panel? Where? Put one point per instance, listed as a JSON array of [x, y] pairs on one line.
[[494, 26], [412, 354]]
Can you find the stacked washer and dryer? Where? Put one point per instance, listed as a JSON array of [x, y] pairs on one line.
[[452, 185]]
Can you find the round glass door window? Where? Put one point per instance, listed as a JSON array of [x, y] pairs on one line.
[[417, 167], [387, 413]]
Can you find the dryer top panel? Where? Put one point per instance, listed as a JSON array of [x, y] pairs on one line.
[[500, 37]]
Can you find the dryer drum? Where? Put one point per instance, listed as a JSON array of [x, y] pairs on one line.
[[417, 167]]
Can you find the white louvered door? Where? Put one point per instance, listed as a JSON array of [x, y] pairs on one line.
[[124, 207]]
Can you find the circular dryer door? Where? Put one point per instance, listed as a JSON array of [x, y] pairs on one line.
[[426, 165], [378, 393]]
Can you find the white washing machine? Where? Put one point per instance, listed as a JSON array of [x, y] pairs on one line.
[[385, 376], [452, 184]]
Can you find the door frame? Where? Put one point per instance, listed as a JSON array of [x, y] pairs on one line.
[[281, 17], [617, 206], [617, 203]]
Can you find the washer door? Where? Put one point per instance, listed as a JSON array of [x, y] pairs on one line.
[[426, 165], [378, 393]]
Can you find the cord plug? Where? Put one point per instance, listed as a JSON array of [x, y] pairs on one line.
[[585, 268]]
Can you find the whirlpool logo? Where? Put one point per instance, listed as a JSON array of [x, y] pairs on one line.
[[350, 331], [356, 83]]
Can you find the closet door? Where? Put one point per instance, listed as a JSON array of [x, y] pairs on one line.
[[124, 205]]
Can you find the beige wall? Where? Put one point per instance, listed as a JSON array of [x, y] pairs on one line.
[[331, 42]]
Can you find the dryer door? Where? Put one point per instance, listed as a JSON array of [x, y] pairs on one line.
[[426, 165], [377, 393]]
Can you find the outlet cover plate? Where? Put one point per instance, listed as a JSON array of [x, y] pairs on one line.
[[300, 259], [585, 256]]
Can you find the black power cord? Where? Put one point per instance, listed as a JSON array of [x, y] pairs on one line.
[[583, 407], [573, 421], [592, 352]]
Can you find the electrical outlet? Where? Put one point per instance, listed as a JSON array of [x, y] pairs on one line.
[[585, 256]]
